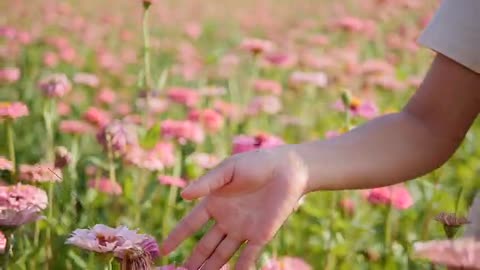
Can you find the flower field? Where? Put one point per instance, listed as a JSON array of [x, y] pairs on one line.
[[109, 108]]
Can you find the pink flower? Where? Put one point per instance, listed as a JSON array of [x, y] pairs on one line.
[[256, 46], [462, 253], [62, 157], [3, 242], [106, 96], [366, 109], [55, 85], [87, 79], [204, 160], [104, 239], [155, 159], [267, 86], [183, 95], [183, 131], [210, 119], [227, 109], [13, 110], [74, 127], [347, 205], [264, 104], [5, 164], [244, 143], [9, 75], [397, 195], [96, 116], [50, 59], [281, 60], [40, 173], [317, 79], [21, 204], [63, 109], [193, 30], [172, 181], [117, 136], [287, 263], [105, 185]]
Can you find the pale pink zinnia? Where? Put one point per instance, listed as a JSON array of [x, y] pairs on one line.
[[300, 78], [39, 173], [186, 96], [264, 104], [104, 239], [256, 46], [87, 79], [106, 96], [172, 181], [13, 110], [244, 143], [287, 263], [5, 164], [204, 160], [96, 116], [21, 204], [211, 120], [117, 136], [9, 75], [183, 131], [74, 127], [463, 253], [55, 85], [143, 158], [265, 86], [105, 185], [363, 108], [397, 195]]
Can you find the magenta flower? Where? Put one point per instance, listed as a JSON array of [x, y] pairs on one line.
[[87, 79], [244, 143], [105, 185], [397, 195], [183, 131], [21, 204], [55, 85], [9, 75], [40, 173], [462, 253], [185, 96], [172, 181], [12, 110], [265, 86], [5, 164], [287, 263], [75, 127]]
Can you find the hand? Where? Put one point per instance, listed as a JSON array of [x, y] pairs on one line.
[[249, 196]]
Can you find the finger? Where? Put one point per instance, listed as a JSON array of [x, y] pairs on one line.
[[211, 181], [248, 257], [205, 248], [222, 254], [185, 228]]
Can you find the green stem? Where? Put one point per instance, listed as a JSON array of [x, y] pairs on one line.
[[388, 230], [146, 49], [111, 161], [11, 146], [8, 250]]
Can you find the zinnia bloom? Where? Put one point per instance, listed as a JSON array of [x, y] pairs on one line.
[[104, 239], [256, 46], [317, 79], [96, 117], [183, 131], [9, 75], [462, 253], [210, 119], [204, 160], [264, 104], [55, 85], [287, 263], [12, 110], [105, 185], [397, 195], [182, 95], [21, 204], [451, 223], [244, 143], [40, 173], [172, 181], [62, 157], [74, 127], [87, 79], [155, 159], [5, 164], [366, 109], [117, 135], [265, 86]]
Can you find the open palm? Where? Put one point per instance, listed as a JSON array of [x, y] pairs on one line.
[[249, 198]]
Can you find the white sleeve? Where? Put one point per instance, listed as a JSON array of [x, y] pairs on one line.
[[455, 32]]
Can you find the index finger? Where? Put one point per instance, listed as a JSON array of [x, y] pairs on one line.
[[185, 228]]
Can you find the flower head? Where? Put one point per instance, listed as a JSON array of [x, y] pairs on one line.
[[117, 136], [317, 79], [9, 75], [39, 173], [55, 85], [105, 185], [210, 119], [104, 239], [62, 157], [265, 86], [172, 181], [182, 95], [362, 108], [256, 46], [155, 159], [12, 110], [87, 79], [74, 127], [244, 143], [287, 263], [5, 164], [462, 253], [264, 104], [96, 116], [183, 131], [397, 195], [451, 223], [21, 204]]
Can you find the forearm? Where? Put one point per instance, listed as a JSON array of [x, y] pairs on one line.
[[385, 151]]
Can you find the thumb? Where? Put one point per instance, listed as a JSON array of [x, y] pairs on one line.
[[211, 181]]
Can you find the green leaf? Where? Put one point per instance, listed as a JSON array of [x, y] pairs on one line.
[[151, 137], [77, 260]]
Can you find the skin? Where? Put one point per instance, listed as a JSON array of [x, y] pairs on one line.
[[250, 195]]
